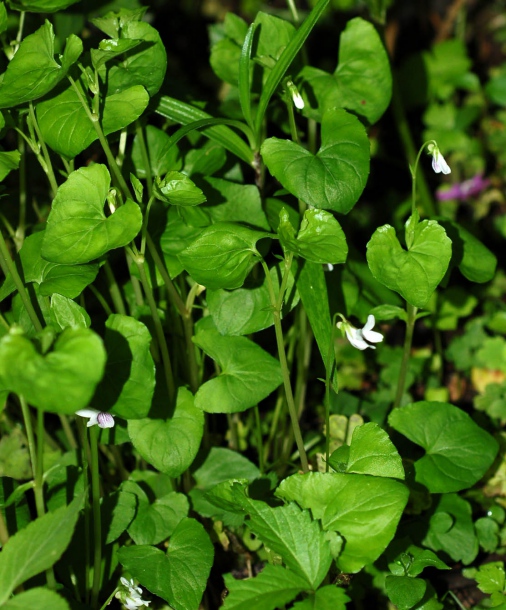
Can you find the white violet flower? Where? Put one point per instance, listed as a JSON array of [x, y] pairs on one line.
[[438, 161], [130, 596], [103, 419], [361, 338], [298, 102]]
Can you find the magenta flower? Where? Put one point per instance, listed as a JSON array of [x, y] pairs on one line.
[[464, 190]]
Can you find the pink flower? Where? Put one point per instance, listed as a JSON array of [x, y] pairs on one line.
[[464, 190]]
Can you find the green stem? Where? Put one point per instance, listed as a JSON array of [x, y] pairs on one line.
[[260, 448], [276, 313], [71, 440], [160, 335], [8, 267], [85, 460], [410, 150], [47, 159], [20, 231], [410, 325], [109, 599], [331, 356], [97, 523], [113, 166], [114, 290], [145, 157], [4, 532]]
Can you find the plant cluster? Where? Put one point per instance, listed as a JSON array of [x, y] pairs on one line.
[[233, 373]]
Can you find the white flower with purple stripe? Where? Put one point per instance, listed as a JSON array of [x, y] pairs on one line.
[[100, 418]]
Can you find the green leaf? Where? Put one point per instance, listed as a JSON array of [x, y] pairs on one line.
[[231, 202], [8, 162], [329, 597], [451, 529], [78, 230], [67, 313], [67, 280], [41, 6], [220, 465], [312, 288], [332, 179], [363, 77], [404, 591], [129, 380], [416, 272], [178, 576], [110, 48], [42, 599], [62, 381], [117, 510], [222, 255], [487, 531], [248, 374], [372, 452], [163, 157], [458, 451], [145, 66], [291, 533], [66, 127], [244, 75], [185, 114], [475, 261], [364, 510], [272, 588], [155, 522], [247, 310], [177, 189], [170, 445], [491, 577], [409, 559], [4, 21], [320, 238], [36, 547], [288, 55], [33, 71]]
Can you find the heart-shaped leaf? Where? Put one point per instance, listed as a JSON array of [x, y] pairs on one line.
[[320, 238], [78, 230], [178, 576], [222, 255], [62, 381], [248, 373], [335, 177], [155, 521], [66, 280], [458, 451], [33, 71], [170, 445], [414, 273], [129, 380], [66, 126], [364, 510]]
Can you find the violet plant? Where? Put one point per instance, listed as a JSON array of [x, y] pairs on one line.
[[176, 424]]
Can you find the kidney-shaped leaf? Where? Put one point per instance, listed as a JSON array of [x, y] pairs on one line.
[[170, 445], [414, 273], [458, 451], [178, 576], [78, 230], [248, 373], [335, 177], [364, 510], [33, 71], [62, 381], [129, 380]]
